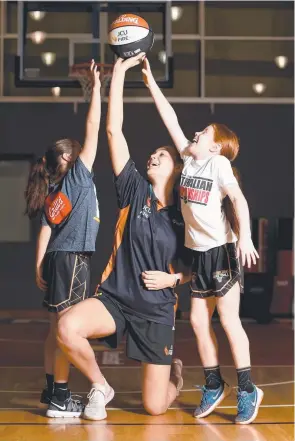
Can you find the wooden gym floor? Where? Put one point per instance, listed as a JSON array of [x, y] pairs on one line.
[[21, 379]]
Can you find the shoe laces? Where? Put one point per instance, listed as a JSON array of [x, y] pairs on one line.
[[204, 399], [93, 394], [242, 399], [76, 401]]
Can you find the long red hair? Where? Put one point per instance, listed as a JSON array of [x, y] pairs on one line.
[[229, 148]]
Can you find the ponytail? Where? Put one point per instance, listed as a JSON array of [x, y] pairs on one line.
[[229, 208], [37, 188]]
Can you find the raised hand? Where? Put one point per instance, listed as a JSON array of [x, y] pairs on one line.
[[95, 75], [146, 72], [124, 65]]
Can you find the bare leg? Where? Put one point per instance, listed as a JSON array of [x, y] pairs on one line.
[[248, 393], [201, 316], [228, 309], [88, 319], [49, 359], [50, 345], [158, 391], [216, 390], [62, 364]]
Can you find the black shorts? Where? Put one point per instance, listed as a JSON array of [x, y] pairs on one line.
[[214, 272], [146, 341], [67, 276]]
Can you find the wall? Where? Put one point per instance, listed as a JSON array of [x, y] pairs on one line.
[[265, 163]]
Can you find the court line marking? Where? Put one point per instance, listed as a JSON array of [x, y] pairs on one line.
[[142, 408], [196, 389], [276, 366], [195, 424]]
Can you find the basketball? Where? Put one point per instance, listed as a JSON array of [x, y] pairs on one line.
[[129, 35]]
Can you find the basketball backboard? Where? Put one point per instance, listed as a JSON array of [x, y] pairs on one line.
[[62, 34]]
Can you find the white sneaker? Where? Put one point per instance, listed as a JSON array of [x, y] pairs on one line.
[[99, 396], [110, 393]]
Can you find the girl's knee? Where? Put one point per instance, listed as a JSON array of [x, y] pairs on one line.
[[66, 331], [230, 321], [199, 323]]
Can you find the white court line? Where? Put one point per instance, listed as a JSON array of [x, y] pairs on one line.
[[141, 408], [196, 389], [102, 366]]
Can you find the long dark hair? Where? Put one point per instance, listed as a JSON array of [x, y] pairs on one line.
[[48, 169]]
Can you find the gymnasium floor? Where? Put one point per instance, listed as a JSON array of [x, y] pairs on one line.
[[21, 379]]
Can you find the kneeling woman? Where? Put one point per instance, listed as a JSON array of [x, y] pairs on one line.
[[136, 292]]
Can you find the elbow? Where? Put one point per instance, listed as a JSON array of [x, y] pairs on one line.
[[113, 131]]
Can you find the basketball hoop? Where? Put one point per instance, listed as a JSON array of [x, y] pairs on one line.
[[82, 73]]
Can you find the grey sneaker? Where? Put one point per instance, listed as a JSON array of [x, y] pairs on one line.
[[69, 408], [98, 398], [176, 374]]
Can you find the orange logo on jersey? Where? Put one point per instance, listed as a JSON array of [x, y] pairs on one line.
[[168, 351], [57, 207]]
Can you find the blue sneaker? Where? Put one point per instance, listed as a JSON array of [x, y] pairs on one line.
[[210, 399], [248, 405]]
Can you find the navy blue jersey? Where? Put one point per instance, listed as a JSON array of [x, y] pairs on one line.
[[71, 210], [147, 238]]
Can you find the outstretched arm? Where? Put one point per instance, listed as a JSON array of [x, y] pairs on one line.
[[89, 149], [245, 245], [165, 109], [117, 143]]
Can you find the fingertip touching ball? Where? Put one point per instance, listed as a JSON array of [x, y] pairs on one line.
[[129, 35]]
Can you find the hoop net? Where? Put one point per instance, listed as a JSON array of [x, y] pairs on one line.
[[82, 73]]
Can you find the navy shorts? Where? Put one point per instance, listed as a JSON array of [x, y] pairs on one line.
[[146, 341]]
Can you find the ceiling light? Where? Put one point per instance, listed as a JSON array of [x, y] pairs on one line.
[[38, 37], [162, 56], [37, 15], [48, 58], [281, 61], [259, 88], [176, 13], [55, 91]]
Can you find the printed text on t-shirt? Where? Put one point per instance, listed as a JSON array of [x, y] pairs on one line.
[[195, 189]]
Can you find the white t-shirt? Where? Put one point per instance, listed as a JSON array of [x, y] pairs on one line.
[[202, 190]]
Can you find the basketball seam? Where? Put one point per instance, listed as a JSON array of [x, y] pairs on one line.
[[130, 25], [148, 29]]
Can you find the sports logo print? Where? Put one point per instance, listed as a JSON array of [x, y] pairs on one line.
[[57, 207], [220, 275]]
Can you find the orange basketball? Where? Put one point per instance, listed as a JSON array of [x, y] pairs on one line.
[[130, 34]]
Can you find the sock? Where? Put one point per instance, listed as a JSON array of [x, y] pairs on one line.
[[244, 379], [213, 377], [49, 383], [61, 391]]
